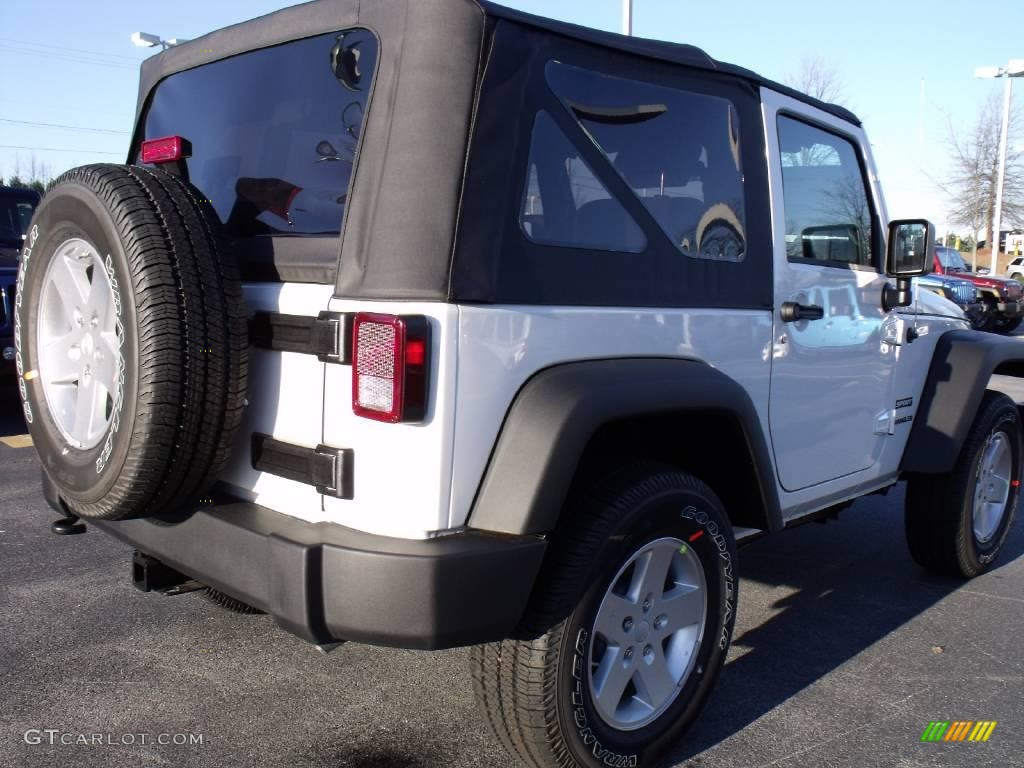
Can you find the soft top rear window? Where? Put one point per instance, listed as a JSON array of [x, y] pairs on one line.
[[274, 132]]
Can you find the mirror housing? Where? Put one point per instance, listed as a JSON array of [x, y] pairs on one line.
[[910, 253]]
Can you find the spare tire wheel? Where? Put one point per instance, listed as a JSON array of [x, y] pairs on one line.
[[131, 341]]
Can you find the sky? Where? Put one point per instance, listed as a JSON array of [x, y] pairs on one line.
[[906, 66]]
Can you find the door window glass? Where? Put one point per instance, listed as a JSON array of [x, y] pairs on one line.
[[827, 208]]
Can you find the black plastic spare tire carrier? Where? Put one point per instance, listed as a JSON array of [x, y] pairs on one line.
[[179, 339]]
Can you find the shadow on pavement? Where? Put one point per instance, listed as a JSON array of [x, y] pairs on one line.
[[843, 587]]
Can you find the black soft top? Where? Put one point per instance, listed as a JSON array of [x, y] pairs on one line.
[[328, 15], [404, 219], [676, 53]]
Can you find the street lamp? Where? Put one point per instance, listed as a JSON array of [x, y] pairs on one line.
[[627, 17], [1014, 68], [146, 40]]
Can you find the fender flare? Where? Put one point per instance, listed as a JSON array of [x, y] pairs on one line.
[[960, 370], [557, 412]]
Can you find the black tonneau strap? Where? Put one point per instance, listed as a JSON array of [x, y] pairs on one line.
[[328, 469], [328, 336]]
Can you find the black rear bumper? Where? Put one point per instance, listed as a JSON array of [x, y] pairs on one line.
[[327, 583]]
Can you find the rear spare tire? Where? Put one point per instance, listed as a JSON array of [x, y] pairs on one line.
[[130, 337]]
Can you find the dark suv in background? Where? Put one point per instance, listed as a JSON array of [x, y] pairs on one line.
[[16, 209]]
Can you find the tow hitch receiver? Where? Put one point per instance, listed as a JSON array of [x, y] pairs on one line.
[[151, 575]]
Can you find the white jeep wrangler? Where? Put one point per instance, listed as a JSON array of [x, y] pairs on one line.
[[427, 323]]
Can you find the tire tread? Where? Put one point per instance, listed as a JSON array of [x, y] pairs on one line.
[[515, 681], [190, 325]]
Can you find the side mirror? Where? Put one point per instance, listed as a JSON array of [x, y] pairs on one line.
[[910, 254]]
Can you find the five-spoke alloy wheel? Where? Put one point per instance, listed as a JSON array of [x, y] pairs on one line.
[[79, 343], [992, 486], [646, 633]]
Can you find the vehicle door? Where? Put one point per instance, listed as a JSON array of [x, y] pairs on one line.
[[832, 384]]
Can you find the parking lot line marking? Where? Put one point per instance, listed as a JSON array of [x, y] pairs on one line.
[[17, 441]]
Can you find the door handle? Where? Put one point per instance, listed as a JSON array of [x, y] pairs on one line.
[[793, 313]]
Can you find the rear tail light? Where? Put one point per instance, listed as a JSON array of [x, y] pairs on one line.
[[168, 149], [390, 361]]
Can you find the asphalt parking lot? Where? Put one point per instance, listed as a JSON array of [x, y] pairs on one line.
[[844, 651]]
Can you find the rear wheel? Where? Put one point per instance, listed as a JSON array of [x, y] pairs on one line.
[[956, 524], [627, 631]]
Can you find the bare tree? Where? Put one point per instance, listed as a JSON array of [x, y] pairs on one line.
[[971, 182], [818, 78], [38, 170], [38, 176]]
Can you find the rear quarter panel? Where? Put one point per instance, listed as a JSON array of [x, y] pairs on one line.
[[500, 348]]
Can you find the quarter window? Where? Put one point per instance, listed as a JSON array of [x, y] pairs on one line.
[[678, 151], [566, 204], [828, 212]]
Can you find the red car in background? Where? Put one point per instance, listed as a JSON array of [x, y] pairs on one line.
[[1001, 296]]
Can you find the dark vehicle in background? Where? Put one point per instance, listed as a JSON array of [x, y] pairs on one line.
[[1001, 297], [959, 291], [16, 209]]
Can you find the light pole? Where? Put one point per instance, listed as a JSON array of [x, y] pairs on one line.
[[1015, 68], [627, 17], [146, 40]]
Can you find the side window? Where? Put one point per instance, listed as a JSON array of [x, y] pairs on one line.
[[678, 151], [565, 204], [828, 212]]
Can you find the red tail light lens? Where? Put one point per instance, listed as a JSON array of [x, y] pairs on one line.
[[168, 149], [389, 367]]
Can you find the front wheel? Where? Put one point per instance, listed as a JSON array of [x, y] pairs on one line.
[[985, 318], [1006, 325], [627, 632], [957, 523]]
